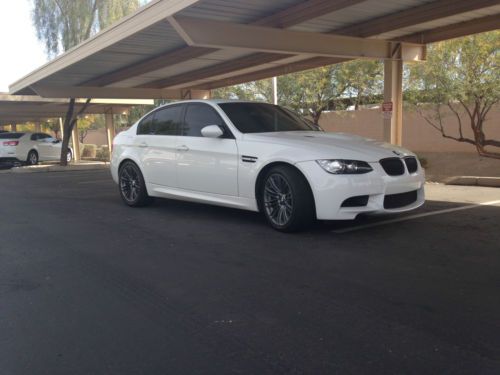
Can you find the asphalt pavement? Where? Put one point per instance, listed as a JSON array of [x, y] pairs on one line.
[[90, 286]]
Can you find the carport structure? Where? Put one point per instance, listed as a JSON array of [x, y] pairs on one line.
[[18, 109], [178, 49]]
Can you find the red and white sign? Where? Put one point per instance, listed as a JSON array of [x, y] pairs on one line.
[[387, 110]]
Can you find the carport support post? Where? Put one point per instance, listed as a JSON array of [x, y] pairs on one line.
[[13, 127], [61, 127], [110, 129], [38, 127], [76, 142], [393, 92]]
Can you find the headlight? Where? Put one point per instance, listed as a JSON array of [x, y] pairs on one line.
[[345, 166]]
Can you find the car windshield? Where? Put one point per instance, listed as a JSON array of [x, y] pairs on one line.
[[264, 118]]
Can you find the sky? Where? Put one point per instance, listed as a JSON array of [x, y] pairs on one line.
[[21, 52]]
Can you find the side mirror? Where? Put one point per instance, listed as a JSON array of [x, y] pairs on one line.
[[56, 141], [212, 131]]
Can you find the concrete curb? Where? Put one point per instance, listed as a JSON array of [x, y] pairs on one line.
[[57, 168], [473, 181]]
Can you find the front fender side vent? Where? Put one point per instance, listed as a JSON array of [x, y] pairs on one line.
[[248, 159]]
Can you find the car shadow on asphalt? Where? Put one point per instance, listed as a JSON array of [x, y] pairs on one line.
[[221, 215]]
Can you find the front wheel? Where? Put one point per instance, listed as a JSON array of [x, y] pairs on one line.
[[286, 199], [132, 186]]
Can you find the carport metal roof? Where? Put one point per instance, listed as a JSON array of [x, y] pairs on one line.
[[16, 109], [181, 48]]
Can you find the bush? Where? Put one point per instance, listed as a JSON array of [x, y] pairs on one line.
[[423, 162], [89, 151], [103, 153]]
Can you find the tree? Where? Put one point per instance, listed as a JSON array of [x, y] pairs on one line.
[[313, 91], [462, 75], [363, 80], [62, 24], [87, 123], [308, 93]]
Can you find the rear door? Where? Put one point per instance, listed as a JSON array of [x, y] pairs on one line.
[[157, 139], [43, 146], [206, 164]]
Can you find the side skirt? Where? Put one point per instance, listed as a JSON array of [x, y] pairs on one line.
[[202, 197]]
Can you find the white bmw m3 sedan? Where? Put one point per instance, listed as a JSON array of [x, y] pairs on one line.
[[262, 157]]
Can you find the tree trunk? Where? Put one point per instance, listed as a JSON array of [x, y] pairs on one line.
[[68, 128], [316, 115], [69, 124]]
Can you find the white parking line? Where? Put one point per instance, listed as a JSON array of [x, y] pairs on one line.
[[418, 216]]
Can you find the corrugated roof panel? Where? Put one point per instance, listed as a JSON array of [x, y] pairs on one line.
[[236, 11], [357, 13], [441, 22]]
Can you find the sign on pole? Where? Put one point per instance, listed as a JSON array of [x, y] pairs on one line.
[[387, 110]]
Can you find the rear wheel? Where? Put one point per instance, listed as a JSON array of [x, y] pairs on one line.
[[286, 199], [132, 186], [69, 156], [32, 158]]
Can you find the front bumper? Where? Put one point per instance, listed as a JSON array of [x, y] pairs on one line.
[[331, 191]]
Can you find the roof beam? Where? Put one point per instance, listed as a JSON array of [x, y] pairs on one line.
[[270, 72], [291, 16], [474, 26], [117, 93], [216, 34], [213, 70], [413, 16]]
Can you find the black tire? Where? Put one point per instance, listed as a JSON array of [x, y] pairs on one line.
[[286, 199], [32, 158], [132, 186]]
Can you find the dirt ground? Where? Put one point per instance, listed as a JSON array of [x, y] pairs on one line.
[[440, 165]]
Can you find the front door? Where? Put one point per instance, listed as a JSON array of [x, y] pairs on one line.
[[206, 164]]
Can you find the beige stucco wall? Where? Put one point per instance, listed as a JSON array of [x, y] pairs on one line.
[[418, 135]]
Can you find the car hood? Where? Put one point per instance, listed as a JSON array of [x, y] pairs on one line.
[[323, 145]]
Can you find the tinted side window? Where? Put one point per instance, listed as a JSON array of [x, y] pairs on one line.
[[197, 117], [34, 137], [9, 135], [146, 125], [167, 120]]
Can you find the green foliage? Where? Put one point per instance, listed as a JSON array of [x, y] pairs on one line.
[[62, 24], [309, 93], [463, 76], [363, 80], [87, 123]]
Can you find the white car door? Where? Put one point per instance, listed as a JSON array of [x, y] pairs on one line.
[[156, 142], [206, 164]]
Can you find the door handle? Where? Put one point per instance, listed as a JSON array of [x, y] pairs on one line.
[[182, 148], [143, 144]]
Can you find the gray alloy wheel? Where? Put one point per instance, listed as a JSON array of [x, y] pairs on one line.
[[69, 156], [278, 199], [132, 185], [286, 199], [32, 158]]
